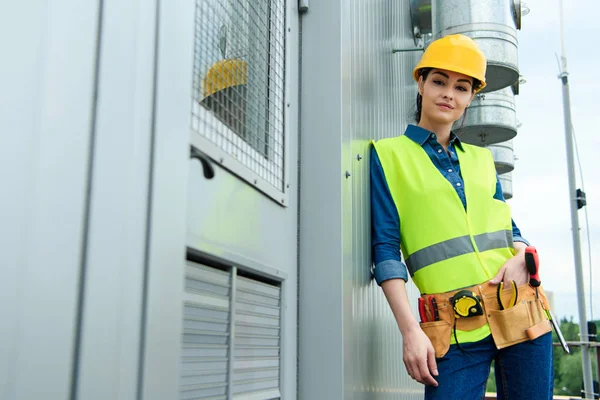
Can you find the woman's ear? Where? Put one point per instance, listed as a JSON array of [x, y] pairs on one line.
[[420, 85]]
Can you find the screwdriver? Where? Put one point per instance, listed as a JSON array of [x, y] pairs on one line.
[[532, 262]]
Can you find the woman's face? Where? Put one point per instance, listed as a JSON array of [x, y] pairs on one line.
[[445, 94]]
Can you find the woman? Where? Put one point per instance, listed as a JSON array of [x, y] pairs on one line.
[[440, 201]]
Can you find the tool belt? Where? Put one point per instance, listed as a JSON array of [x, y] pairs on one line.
[[524, 320]]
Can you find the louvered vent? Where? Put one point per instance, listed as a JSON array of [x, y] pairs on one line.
[[208, 352], [206, 334], [256, 361]]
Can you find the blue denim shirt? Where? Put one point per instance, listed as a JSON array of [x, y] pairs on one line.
[[385, 229]]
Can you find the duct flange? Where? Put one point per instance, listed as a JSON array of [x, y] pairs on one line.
[[490, 119], [492, 25], [504, 156]]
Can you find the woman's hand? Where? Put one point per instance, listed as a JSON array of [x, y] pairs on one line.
[[419, 357], [514, 269]]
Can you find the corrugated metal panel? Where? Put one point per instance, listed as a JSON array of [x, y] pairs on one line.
[[382, 102], [205, 342], [257, 340], [349, 97]]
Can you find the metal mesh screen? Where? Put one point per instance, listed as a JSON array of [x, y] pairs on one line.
[[239, 69]]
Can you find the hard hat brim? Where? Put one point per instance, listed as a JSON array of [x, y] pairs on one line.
[[224, 74]]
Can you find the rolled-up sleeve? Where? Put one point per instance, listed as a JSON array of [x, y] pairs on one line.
[[516, 232], [385, 227]]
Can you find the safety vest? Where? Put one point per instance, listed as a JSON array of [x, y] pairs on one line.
[[445, 246]]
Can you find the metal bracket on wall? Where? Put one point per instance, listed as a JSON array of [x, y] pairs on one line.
[[405, 50], [519, 9], [303, 6], [420, 17]]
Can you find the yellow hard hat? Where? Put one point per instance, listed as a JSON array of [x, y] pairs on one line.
[[457, 53], [224, 74]]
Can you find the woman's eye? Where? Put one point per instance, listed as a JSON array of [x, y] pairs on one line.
[[438, 82], [462, 88]]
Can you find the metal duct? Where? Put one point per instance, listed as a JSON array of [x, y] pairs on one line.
[[504, 157], [490, 119], [506, 182], [492, 24]]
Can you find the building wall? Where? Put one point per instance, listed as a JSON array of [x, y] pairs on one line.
[[354, 89], [102, 195]]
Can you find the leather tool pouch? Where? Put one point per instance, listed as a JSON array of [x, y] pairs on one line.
[[439, 332], [526, 320]]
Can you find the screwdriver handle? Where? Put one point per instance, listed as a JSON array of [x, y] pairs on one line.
[[533, 266], [422, 312]]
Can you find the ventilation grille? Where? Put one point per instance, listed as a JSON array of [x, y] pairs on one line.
[[239, 70]]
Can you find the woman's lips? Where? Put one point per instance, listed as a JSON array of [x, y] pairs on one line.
[[444, 106]]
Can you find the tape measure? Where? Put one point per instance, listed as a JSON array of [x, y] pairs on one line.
[[466, 304]]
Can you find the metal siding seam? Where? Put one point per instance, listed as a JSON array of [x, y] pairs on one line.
[[144, 299], [86, 222], [299, 149]]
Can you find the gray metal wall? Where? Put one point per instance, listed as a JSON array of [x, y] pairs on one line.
[[353, 90], [45, 125]]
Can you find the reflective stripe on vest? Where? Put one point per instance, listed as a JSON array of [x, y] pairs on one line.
[[456, 247]]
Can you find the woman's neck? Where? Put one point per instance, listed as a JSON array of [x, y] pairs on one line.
[[442, 131]]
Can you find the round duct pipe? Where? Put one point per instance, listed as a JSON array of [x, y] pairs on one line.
[[492, 25], [490, 119], [506, 182], [504, 157]]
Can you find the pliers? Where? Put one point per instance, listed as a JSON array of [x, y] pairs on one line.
[[513, 298]]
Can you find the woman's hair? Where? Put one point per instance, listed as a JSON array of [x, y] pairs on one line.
[[424, 72]]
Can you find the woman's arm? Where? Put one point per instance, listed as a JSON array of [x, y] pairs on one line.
[[418, 353], [516, 232], [391, 275], [385, 227], [515, 268]]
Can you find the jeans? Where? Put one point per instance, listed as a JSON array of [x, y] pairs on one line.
[[523, 371]]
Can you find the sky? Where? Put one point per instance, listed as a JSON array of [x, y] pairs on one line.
[[540, 205]]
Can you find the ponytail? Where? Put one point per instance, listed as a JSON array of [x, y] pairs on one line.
[[422, 72]]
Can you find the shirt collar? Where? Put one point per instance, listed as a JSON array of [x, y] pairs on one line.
[[421, 135]]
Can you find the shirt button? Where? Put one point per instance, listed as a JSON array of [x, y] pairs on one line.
[[457, 183], [439, 150], [450, 170]]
